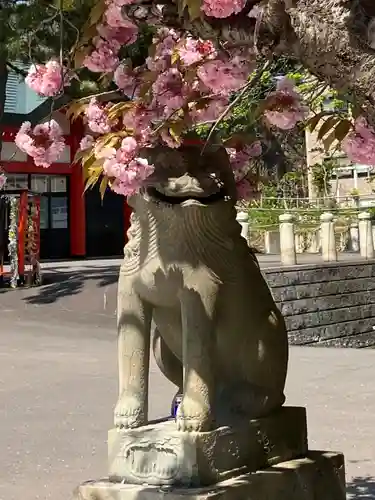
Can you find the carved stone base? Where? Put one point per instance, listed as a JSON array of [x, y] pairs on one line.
[[320, 475], [158, 454]]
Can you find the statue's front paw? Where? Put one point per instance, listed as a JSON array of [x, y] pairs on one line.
[[191, 417], [130, 412]]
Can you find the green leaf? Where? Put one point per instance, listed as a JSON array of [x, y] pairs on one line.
[[97, 12], [75, 109], [66, 5], [194, 9], [117, 109], [314, 120], [91, 181], [327, 126], [103, 186], [176, 129], [80, 155], [87, 165], [328, 141], [93, 178], [175, 57], [342, 129]]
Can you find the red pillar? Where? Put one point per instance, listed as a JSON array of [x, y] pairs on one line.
[[77, 212], [22, 228]]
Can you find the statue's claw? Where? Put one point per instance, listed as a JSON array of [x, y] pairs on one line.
[[129, 412], [189, 419]]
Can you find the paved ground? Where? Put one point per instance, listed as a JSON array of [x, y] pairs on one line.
[[58, 387]]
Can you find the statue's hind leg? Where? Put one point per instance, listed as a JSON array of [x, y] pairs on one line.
[[167, 362]]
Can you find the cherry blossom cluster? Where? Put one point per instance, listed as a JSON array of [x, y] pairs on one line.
[[240, 160], [284, 107], [183, 83], [44, 143], [47, 80], [222, 8], [359, 144], [129, 178], [114, 31]]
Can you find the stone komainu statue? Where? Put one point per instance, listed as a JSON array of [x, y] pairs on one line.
[[189, 277]]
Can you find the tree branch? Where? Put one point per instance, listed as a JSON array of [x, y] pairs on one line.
[[332, 39], [17, 70]]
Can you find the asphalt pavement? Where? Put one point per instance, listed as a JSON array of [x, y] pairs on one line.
[[58, 382]]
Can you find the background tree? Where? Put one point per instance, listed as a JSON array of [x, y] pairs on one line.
[[35, 31]]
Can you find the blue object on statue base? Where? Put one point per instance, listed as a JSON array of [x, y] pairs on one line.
[[175, 404]]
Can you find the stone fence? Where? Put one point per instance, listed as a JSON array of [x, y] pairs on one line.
[[329, 305], [326, 238]]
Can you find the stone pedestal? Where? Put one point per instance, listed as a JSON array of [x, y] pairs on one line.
[[160, 454], [320, 475]]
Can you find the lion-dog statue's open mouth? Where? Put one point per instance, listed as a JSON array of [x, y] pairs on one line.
[[181, 176]]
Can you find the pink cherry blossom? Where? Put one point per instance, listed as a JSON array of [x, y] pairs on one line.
[[127, 171], [193, 51], [128, 147], [126, 79], [103, 59], [47, 80], [114, 17], [87, 142], [211, 112], [97, 118], [239, 158], [44, 143], [3, 180], [222, 8], [359, 144], [254, 149], [138, 118], [169, 91], [247, 190], [224, 77], [165, 43], [116, 158], [284, 106], [116, 37]]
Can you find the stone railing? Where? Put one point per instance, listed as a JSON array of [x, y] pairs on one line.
[[327, 238]]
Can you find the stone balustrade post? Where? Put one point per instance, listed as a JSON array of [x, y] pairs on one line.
[[329, 252], [243, 220], [354, 237], [287, 240], [366, 244]]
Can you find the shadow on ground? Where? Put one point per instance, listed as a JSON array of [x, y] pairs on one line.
[[361, 488], [67, 282]]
